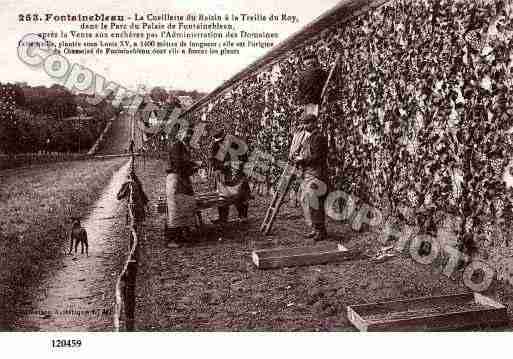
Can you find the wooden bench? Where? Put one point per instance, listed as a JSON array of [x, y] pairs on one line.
[[203, 201], [210, 200]]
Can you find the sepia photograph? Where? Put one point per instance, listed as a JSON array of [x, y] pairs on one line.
[[273, 166]]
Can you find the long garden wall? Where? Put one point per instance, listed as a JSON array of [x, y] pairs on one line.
[[417, 114]]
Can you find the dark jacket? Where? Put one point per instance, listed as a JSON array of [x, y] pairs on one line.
[[140, 198], [311, 83], [215, 163], [179, 162], [314, 156]]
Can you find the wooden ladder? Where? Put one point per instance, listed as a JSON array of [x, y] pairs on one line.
[[279, 196]]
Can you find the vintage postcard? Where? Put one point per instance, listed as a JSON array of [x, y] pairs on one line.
[[241, 166]]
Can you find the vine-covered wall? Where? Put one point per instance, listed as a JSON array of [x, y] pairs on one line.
[[417, 113]]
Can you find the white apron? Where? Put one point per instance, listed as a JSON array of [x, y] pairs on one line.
[[181, 208]]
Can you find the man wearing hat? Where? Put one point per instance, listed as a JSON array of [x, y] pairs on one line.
[[311, 83], [310, 155], [229, 178]]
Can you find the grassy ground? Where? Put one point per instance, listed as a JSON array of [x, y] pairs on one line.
[[212, 284], [34, 204]]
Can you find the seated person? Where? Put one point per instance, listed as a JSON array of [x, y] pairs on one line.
[[230, 181]]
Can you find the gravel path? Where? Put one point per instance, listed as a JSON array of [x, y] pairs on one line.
[[79, 296]]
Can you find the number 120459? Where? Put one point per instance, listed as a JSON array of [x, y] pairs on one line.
[[66, 343]]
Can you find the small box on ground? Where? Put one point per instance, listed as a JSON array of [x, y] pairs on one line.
[[451, 312], [301, 256]]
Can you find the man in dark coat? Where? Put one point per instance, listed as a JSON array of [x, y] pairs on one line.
[[311, 83], [229, 173], [311, 158], [139, 197], [131, 147]]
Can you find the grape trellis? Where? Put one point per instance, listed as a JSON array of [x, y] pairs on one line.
[[417, 115]]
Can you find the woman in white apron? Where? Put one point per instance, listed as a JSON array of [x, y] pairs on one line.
[[181, 203]]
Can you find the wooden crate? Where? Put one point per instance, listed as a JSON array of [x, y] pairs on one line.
[[300, 256], [203, 201], [451, 312]]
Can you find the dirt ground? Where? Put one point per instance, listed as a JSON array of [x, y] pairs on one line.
[[211, 283]]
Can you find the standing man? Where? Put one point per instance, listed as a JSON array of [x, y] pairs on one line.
[[139, 197], [131, 147], [311, 158], [311, 83], [309, 149]]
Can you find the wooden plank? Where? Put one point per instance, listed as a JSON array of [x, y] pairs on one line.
[[462, 311], [405, 304], [484, 318], [300, 256], [281, 252]]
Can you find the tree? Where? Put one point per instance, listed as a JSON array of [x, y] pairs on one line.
[[11, 96]]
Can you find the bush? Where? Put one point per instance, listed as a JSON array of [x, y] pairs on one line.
[[37, 119]]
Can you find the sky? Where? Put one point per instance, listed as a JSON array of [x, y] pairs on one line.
[[193, 72]]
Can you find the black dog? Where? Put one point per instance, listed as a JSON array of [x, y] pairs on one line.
[[78, 235]]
